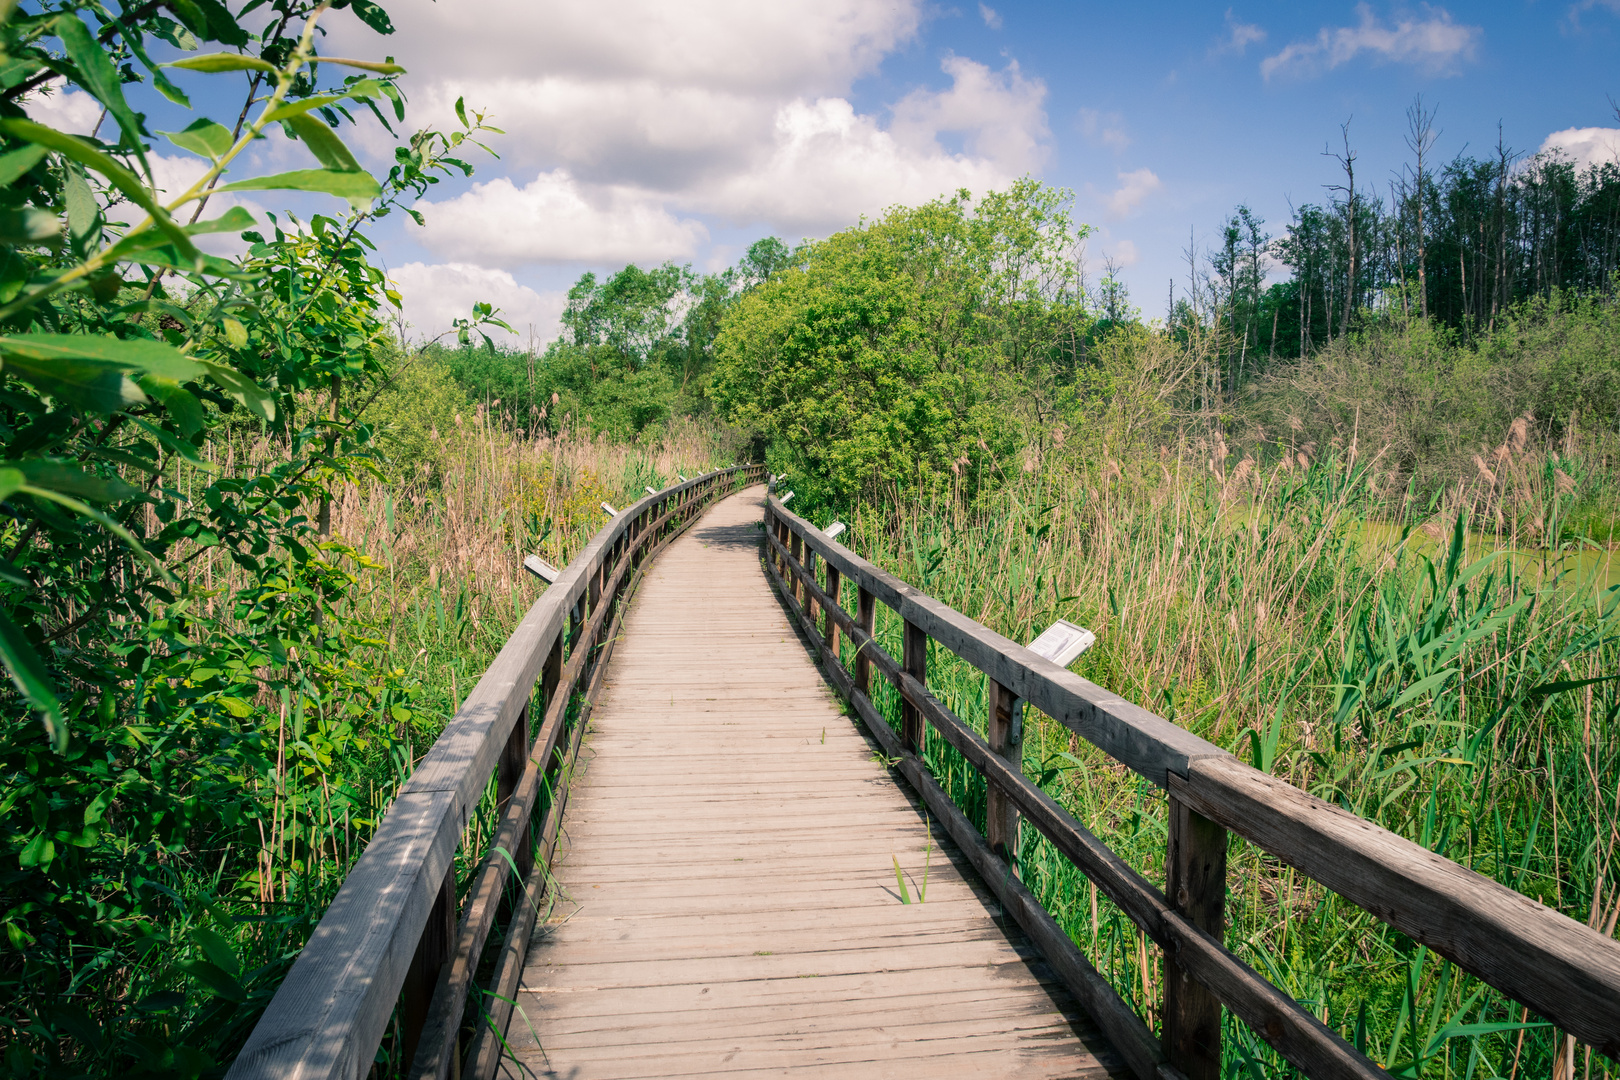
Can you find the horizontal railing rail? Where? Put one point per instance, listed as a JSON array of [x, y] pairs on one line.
[[1566, 972], [393, 942]]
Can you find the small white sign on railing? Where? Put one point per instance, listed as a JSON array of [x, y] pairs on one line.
[[834, 529], [652, 491], [683, 479], [786, 498], [541, 569], [1062, 643], [609, 511]]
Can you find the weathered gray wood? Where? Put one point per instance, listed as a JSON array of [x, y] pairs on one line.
[[866, 611], [1006, 742], [1279, 1019], [915, 659], [610, 970], [1195, 882], [829, 630], [497, 1009], [329, 1014], [1134, 736], [432, 951], [1567, 972], [1113, 1015]]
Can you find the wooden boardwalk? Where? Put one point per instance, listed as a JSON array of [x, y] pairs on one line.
[[728, 903]]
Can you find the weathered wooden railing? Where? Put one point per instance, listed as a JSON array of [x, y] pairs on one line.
[[1562, 970], [391, 943]]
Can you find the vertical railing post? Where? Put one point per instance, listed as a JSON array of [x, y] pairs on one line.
[[810, 607], [1007, 742], [915, 660], [829, 631], [432, 953], [796, 582], [865, 609], [508, 771], [1195, 882]]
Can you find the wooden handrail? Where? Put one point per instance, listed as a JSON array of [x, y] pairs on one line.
[[1566, 972], [392, 926]]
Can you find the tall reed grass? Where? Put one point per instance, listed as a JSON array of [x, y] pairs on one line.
[[426, 566], [1456, 693]]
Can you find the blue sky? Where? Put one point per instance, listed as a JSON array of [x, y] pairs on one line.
[[643, 130]]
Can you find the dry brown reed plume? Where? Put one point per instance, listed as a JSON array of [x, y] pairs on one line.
[[490, 499]]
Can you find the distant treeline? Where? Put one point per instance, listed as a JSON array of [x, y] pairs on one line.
[[1459, 242], [635, 352]]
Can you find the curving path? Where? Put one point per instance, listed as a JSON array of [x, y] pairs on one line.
[[727, 873]]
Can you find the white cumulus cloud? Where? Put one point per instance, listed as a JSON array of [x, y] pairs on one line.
[[1587, 146], [64, 108], [1237, 37], [436, 295], [1106, 128], [991, 17], [555, 219], [628, 121], [1134, 186], [1435, 43]]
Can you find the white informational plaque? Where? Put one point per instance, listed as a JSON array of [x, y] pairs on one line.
[[541, 569], [787, 498], [834, 529], [652, 491], [1062, 642], [609, 511]]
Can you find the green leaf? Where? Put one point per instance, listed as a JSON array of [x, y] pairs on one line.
[[244, 390], [1568, 684], [202, 137], [77, 149], [153, 357], [222, 25], [294, 108], [1417, 689], [372, 15], [357, 187], [28, 225], [91, 385], [380, 68], [71, 480], [15, 70], [184, 408], [39, 852], [165, 255], [101, 77], [216, 978], [28, 673], [323, 142], [218, 950], [14, 164], [217, 62], [83, 212], [235, 333], [8, 569], [236, 706], [233, 220]]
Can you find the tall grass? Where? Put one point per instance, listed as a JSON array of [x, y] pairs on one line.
[[430, 564], [1455, 693]]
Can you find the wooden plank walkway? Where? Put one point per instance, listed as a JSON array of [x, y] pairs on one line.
[[728, 898]]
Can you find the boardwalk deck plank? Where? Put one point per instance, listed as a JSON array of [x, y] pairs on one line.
[[728, 904]]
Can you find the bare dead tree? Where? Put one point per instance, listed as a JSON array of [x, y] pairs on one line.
[[1420, 139], [1347, 162]]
